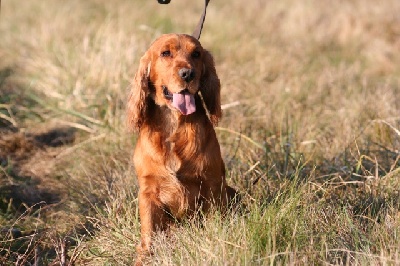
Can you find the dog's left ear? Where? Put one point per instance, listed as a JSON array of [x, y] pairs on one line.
[[210, 88]]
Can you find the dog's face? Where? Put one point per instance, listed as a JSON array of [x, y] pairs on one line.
[[175, 72], [171, 73]]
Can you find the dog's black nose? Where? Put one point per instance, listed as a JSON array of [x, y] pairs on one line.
[[186, 74]]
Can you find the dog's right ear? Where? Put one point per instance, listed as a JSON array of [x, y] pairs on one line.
[[137, 101]]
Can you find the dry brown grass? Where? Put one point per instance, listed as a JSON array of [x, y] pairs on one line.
[[313, 144]]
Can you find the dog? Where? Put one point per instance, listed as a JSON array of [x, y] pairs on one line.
[[174, 104]]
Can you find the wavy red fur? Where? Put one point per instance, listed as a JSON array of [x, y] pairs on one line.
[[177, 157]]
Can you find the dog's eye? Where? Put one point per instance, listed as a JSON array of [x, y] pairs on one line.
[[196, 54], [166, 53]]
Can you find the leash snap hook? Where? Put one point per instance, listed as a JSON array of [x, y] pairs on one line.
[[164, 2]]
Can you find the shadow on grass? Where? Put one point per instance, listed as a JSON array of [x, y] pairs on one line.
[[28, 185], [17, 150], [20, 179]]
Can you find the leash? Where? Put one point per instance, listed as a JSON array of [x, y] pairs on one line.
[[197, 31], [199, 27]]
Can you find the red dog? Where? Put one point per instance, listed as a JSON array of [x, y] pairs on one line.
[[174, 103]]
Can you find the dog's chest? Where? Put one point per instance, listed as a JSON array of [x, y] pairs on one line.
[[172, 163], [182, 147], [184, 159]]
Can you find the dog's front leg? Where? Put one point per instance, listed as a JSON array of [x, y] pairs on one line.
[[152, 218]]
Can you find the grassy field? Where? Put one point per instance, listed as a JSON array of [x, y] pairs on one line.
[[310, 133]]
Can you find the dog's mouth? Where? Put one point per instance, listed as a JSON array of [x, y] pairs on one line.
[[182, 101], [167, 94]]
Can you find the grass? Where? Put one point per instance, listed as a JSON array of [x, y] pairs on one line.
[[312, 145]]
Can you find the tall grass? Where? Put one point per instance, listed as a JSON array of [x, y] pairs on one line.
[[310, 133]]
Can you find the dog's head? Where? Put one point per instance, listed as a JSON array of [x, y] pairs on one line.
[[172, 71]]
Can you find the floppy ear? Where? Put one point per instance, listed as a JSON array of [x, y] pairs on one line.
[[137, 102], [210, 88]]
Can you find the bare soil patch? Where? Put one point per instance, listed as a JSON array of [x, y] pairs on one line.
[[28, 160]]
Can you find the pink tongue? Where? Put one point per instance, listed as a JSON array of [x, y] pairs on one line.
[[184, 102]]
